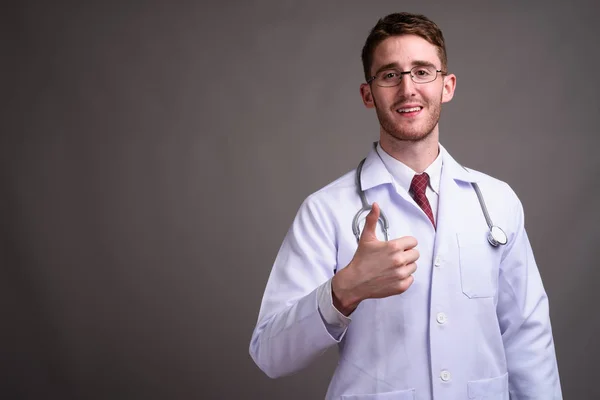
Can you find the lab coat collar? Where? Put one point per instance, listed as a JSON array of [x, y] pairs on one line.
[[454, 170], [375, 173]]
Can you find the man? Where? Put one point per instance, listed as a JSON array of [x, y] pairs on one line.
[[440, 310]]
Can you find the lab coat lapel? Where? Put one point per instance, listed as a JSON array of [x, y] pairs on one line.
[[376, 173], [449, 205], [453, 174]]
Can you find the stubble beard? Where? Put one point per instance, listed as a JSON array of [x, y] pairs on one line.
[[409, 132]]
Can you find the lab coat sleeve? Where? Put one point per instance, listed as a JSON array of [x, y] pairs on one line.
[[290, 332], [335, 322], [523, 314]]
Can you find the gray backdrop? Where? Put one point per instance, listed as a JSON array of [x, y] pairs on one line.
[[153, 156]]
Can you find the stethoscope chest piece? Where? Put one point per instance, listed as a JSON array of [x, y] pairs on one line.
[[496, 236]]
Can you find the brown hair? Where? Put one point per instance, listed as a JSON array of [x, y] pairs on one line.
[[402, 24]]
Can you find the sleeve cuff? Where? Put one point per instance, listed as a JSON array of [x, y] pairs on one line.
[[335, 322]]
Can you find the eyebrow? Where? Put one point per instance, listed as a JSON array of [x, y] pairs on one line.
[[395, 65]]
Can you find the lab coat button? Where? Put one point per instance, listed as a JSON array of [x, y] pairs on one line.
[[438, 261], [441, 318], [445, 376]]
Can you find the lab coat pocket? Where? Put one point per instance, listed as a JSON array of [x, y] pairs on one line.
[[397, 395], [489, 389], [478, 267]]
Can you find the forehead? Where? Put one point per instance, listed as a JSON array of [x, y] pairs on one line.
[[404, 50]]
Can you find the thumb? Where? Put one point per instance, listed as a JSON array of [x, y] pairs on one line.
[[369, 232]]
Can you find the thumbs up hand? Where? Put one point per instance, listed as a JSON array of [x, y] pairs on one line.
[[377, 270], [369, 233]]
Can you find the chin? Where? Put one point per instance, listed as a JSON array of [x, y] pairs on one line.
[[408, 132], [411, 136]]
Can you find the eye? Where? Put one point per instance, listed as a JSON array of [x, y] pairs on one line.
[[422, 72], [389, 75]]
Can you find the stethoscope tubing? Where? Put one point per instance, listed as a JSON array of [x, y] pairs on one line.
[[496, 235]]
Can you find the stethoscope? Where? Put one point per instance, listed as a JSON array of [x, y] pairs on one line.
[[496, 235]]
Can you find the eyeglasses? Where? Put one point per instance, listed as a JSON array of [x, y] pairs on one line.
[[418, 74]]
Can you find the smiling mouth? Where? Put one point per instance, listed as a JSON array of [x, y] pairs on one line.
[[409, 110]]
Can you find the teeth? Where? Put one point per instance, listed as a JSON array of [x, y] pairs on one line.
[[405, 110]]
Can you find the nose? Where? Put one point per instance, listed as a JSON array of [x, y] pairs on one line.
[[406, 85]]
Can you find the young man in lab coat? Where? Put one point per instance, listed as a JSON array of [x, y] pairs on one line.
[[435, 312]]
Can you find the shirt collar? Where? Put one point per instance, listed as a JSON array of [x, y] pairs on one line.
[[403, 174]]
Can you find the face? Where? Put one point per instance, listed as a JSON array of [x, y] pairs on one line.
[[409, 111]]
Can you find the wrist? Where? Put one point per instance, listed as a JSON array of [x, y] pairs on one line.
[[344, 300]]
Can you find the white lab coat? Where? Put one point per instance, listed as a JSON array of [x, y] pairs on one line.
[[473, 325]]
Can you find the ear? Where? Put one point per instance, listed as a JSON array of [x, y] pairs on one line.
[[449, 86], [367, 96]]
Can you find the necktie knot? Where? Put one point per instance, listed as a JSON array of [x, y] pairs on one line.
[[417, 188], [419, 183]]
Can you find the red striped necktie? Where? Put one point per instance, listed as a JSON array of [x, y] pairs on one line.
[[417, 189]]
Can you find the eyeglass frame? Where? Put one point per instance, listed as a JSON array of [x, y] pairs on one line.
[[402, 73]]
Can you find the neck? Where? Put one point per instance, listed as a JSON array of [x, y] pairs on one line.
[[416, 154]]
